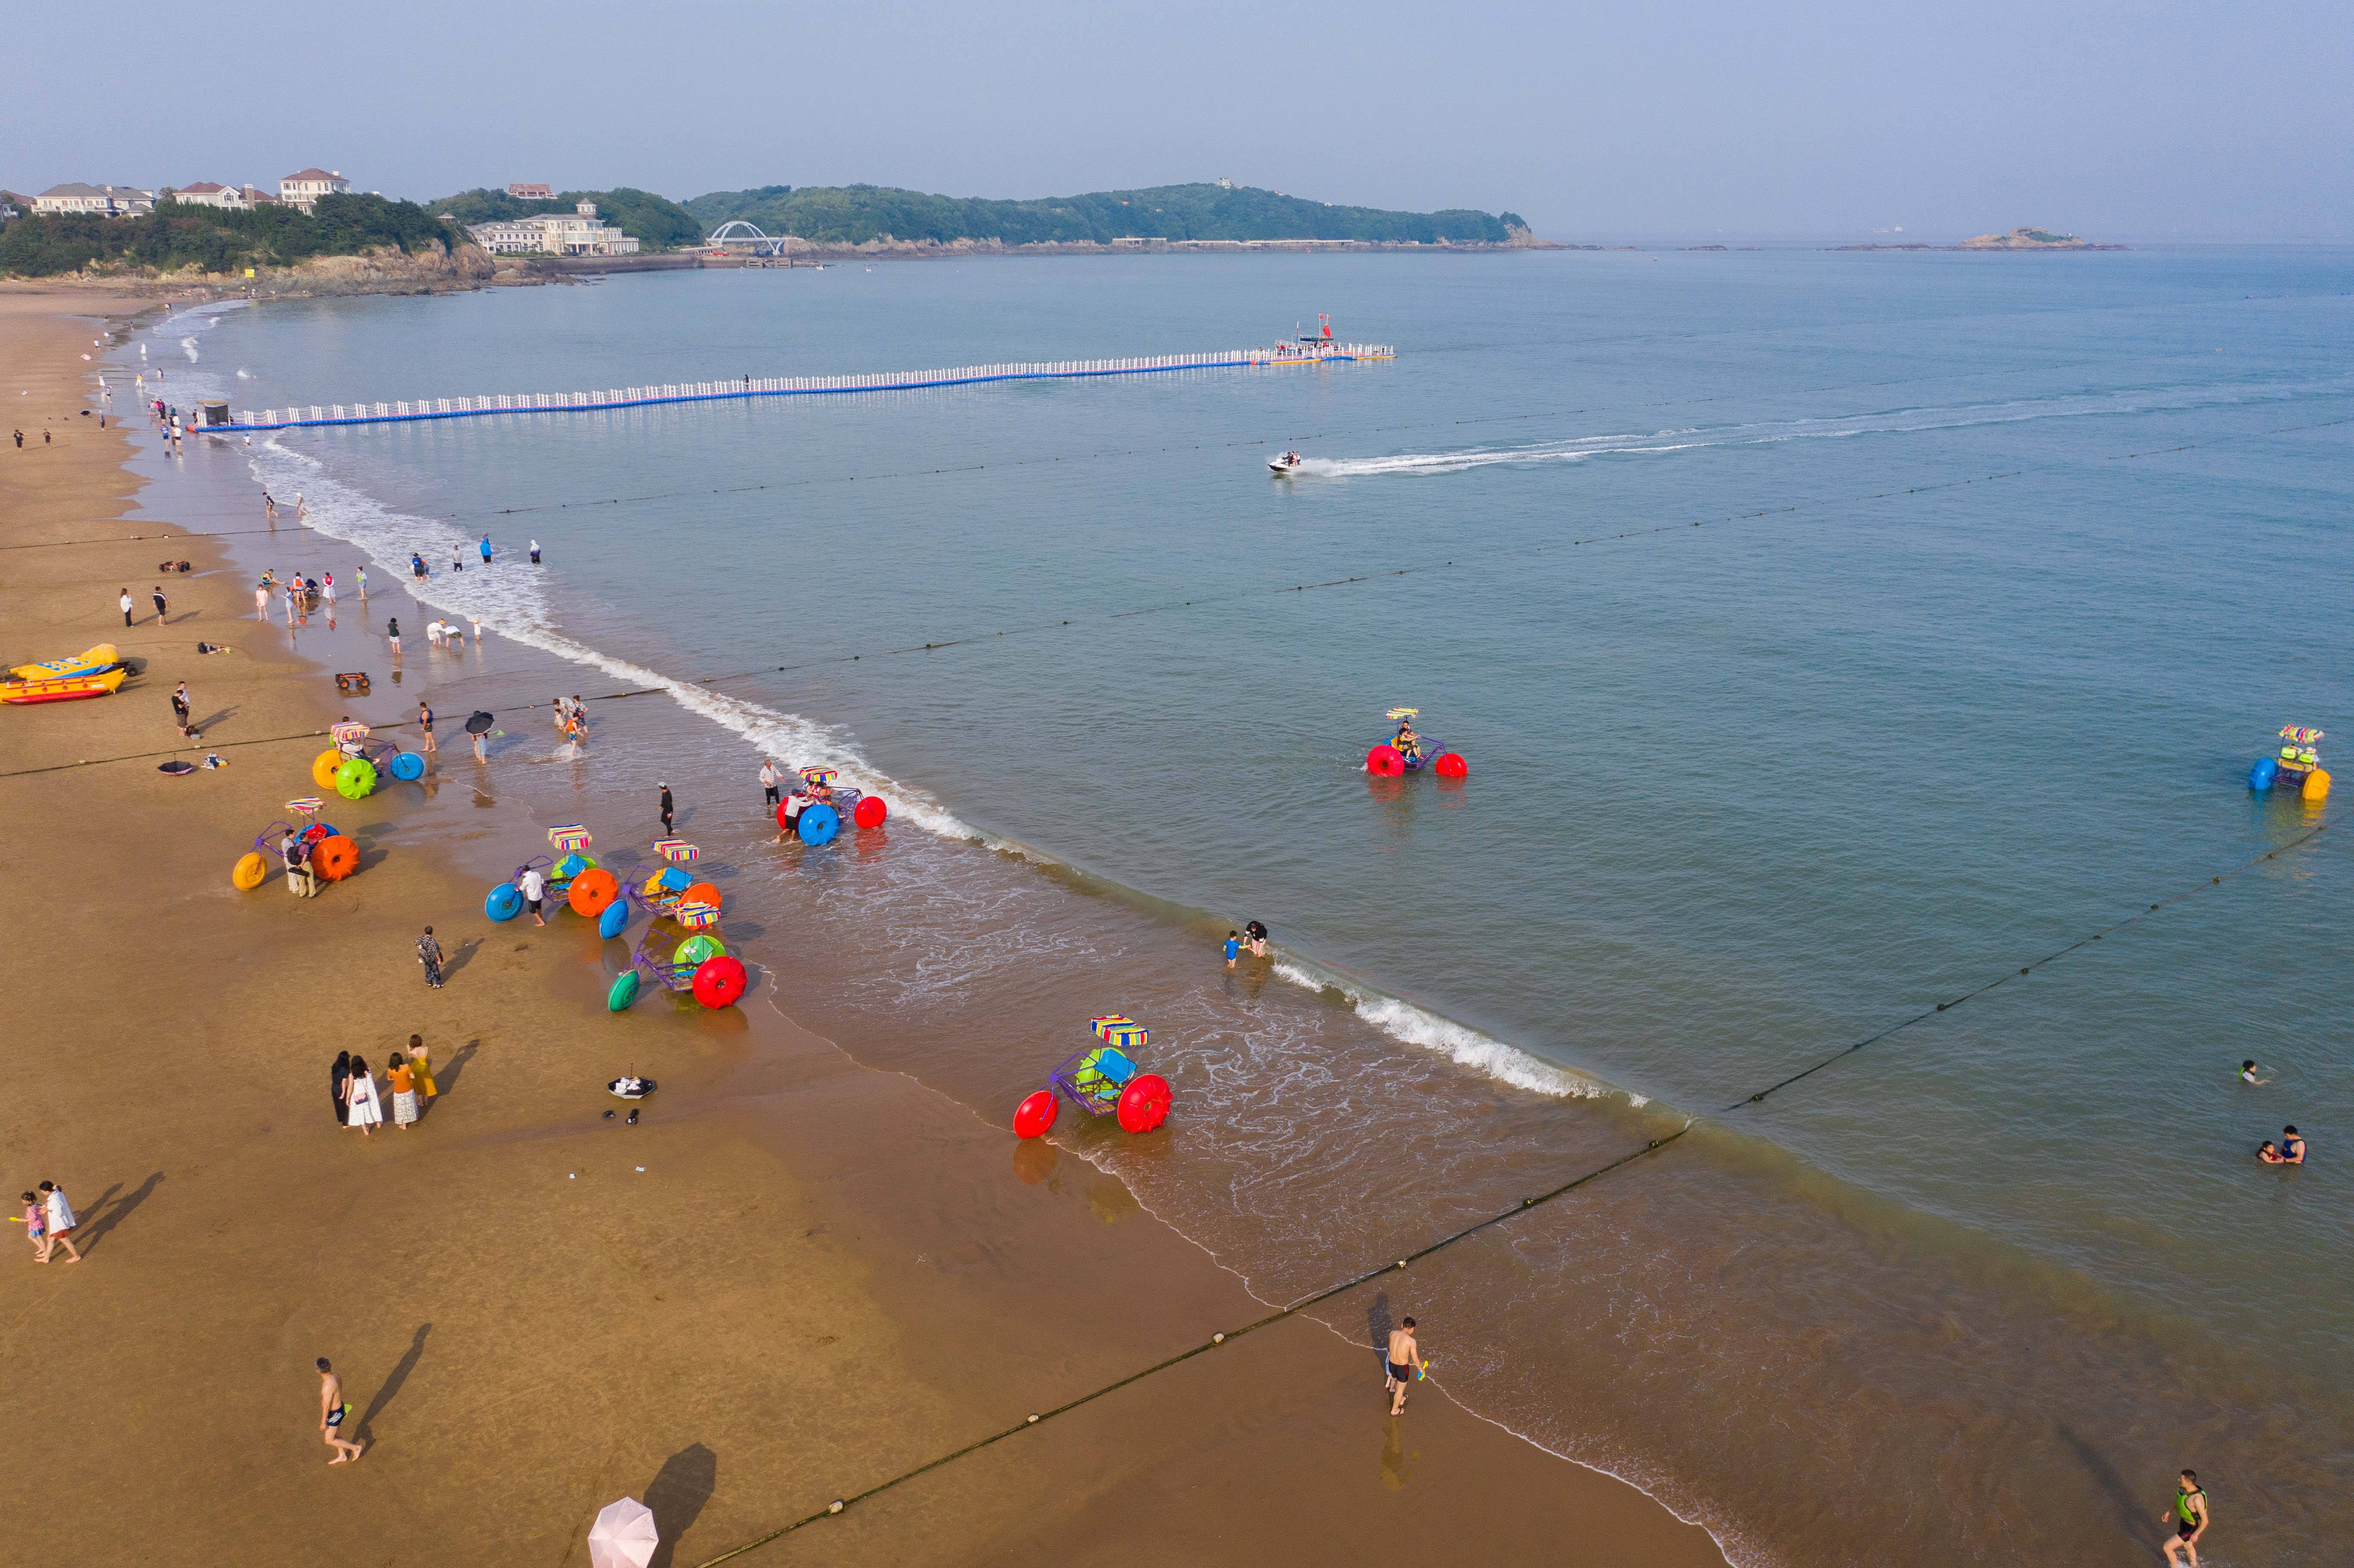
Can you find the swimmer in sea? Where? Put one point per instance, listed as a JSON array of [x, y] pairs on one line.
[[2248, 1075], [2269, 1153], [2292, 1147]]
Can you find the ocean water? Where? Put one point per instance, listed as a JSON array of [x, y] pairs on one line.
[[1828, 635]]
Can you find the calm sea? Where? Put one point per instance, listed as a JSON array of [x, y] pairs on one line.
[[1827, 634]]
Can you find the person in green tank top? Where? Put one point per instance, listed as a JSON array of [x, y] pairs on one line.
[[2189, 1517]]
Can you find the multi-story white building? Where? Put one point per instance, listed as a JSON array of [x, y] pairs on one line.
[[302, 190], [204, 193], [104, 201], [579, 232], [523, 191]]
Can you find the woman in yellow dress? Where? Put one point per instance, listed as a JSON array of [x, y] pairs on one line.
[[421, 1068]]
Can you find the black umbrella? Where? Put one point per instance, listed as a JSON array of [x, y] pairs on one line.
[[479, 724]]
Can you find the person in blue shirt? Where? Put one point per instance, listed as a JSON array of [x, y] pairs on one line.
[[1234, 945], [486, 549]]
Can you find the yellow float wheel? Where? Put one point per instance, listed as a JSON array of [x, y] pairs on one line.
[[248, 872], [323, 766], [2317, 785]]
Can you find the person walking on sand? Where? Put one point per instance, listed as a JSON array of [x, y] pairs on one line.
[[359, 580], [127, 602], [269, 507], [769, 780], [534, 888], [403, 1091], [300, 511], [481, 747], [1404, 1360], [58, 1221], [261, 600], [163, 607], [2189, 1516], [333, 1412], [425, 727], [367, 1110], [420, 1063], [666, 806], [37, 1227], [328, 586], [336, 1076], [429, 953]]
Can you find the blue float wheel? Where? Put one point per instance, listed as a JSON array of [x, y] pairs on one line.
[[409, 767], [504, 903], [614, 920], [624, 992], [819, 825], [2261, 775]]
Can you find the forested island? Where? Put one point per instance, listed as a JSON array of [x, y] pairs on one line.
[[180, 235]]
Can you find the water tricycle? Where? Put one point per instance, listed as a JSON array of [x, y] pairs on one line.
[[2295, 766], [333, 856], [1103, 1080], [94, 673], [1407, 752], [355, 763], [690, 957], [815, 812]]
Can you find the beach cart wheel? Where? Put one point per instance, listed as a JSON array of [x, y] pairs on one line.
[[408, 767], [248, 872], [623, 992], [1036, 1114], [870, 811], [593, 892], [1144, 1103], [1384, 762], [504, 903], [819, 825], [719, 981], [323, 766], [614, 920], [336, 858], [1451, 766], [356, 780]]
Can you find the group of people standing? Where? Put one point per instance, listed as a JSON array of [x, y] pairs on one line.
[[571, 719], [49, 1222], [358, 1102]]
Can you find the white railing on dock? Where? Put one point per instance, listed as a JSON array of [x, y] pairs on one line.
[[789, 386]]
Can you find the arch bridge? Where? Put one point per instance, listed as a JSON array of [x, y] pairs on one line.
[[745, 238]]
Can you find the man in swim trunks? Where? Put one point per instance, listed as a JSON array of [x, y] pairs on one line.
[[334, 1412], [2189, 1517], [1404, 1360]]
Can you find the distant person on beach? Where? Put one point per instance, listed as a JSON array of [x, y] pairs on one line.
[[457, 560], [365, 1111], [425, 727], [58, 1221], [421, 1064], [2248, 1075], [486, 549], [301, 880], [1234, 947], [327, 587], [535, 888], [481, 747], [261, 600], [333, 1411], [360, 579], [182, 709], [535, 543], [127, 602], [2189, 1517], [163, 607], [403, 1078], [429, 953], [1405, 1360], [416, 566], [667, 808], [269, 507], [336, 1075], [1258, 935], [300, 511], [36, 1218], [769, 782], [794, 805]]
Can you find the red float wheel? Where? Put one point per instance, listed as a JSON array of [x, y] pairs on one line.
[[335, 859], [719, 981], [1143, 1103], [1384, 762], [591, 891], [780, 813], [871, 811], [1451, 766], [1034, 1115]]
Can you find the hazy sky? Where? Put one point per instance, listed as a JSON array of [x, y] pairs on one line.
[[2130, 121]]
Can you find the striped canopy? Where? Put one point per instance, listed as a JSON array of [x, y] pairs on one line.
[[1126, 1034], [678, 851], [2302, 736], [307, 806], [694, 914], [569, 837], [345, 734], [819, 775], [1405, 713]]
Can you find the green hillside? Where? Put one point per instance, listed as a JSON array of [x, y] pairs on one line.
[[656, 223], [852, 215], [214, 239]]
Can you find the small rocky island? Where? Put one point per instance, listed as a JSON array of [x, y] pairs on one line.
[[2016, 240]]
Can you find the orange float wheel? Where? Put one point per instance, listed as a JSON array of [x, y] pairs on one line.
[[701, 893], [248, 872], [323, 766], [335, 859], [592, 891]]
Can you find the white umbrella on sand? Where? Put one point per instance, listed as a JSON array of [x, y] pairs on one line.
[[623, 1535]]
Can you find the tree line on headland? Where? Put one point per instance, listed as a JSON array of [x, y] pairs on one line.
[[178, 236]]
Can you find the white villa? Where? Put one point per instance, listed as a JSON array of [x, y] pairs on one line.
[[302, 190], [204, 193], [578, 233], [105, 201]]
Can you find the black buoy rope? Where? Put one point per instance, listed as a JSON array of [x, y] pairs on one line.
[[1286, 1313]]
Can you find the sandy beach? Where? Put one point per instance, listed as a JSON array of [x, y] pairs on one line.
[[796, 1279]]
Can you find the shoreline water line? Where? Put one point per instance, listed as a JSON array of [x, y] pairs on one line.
[[412, 410]]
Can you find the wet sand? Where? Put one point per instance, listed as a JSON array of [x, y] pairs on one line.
[[823, 1277]]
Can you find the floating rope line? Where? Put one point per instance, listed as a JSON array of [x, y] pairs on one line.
[[1286, 1313]]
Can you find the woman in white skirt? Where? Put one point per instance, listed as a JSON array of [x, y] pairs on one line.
[[365, 1111], [404, 1092]]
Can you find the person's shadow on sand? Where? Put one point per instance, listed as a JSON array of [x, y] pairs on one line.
[[466, 949], [384, 1396], [445, 1077], [96, 1230], [677, 1494], [202, 725]]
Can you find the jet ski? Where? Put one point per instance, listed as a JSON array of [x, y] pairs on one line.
[[1287, 463]]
